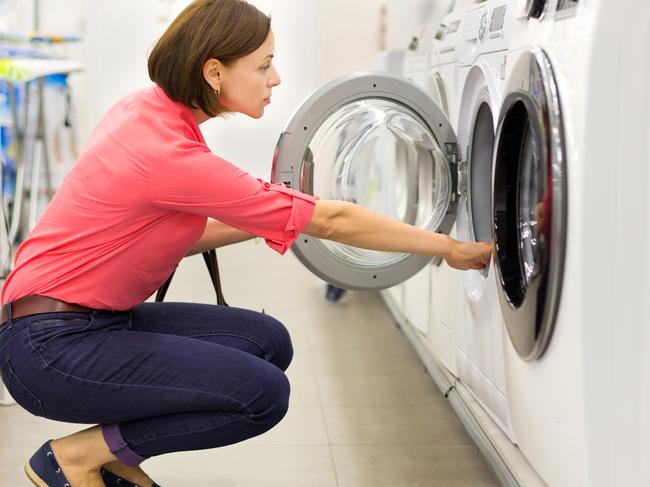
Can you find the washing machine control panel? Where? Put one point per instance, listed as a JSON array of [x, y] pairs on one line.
[[473, 33], [497, 22], [417, 56], [483, 26], [483, 31], [446, 41]]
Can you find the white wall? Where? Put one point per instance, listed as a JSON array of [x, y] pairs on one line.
[[16, 15], [117, 38]]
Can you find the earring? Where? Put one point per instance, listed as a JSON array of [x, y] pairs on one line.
[[218, 91]]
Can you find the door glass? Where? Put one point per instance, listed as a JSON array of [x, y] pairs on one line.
[[481, 174], [381, 155], [520, 208], [531, 201]]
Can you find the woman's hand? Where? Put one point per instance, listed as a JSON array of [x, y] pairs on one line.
[[466, 255]]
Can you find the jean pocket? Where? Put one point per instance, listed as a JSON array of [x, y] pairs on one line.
[[19, 392], [43, 332]]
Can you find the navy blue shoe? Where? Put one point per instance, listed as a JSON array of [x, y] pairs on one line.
[[334, 294], [112, 480], [43, 469]]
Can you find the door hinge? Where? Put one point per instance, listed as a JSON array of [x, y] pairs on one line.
[[462, 178], [452, 157]]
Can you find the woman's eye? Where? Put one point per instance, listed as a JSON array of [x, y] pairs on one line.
[[266, 67]]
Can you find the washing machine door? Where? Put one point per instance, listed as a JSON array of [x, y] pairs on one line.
[[440, 92], [380, 141], [530, 204]]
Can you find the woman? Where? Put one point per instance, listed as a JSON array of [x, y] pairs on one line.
[[77, 343]]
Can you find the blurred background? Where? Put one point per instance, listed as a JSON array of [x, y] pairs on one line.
[[315, 42]]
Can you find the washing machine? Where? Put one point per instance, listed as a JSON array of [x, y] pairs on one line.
[[444, 296], [443, 75], [571, 214], [411, 298], [478, 334]]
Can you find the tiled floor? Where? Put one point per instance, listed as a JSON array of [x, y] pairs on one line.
[[363, 411]]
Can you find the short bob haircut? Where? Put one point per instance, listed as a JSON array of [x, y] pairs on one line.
[[222, 29]]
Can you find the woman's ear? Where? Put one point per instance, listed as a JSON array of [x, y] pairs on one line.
[[213, 72]]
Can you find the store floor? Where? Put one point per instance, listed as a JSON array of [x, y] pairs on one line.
[[363, 411]]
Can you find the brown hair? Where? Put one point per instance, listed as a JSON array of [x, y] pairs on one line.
[[223, 29]]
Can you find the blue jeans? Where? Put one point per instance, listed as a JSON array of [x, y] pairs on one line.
[[159, 378]]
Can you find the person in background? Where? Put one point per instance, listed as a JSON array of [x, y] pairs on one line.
[[77, 342]]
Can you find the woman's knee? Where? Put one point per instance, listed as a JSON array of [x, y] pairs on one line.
[[271, 399], [280, 348]]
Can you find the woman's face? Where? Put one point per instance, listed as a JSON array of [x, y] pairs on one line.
[[247, 83]]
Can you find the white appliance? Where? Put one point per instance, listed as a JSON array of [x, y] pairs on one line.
[[412, 296], [478, 334], [444, 296], [571, 224]]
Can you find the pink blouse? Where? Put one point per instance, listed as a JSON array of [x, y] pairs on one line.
[[136, 201]]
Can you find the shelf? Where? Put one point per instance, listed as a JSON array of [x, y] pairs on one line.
[[27, 69]]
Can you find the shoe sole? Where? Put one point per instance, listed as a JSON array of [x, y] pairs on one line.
[[31, 475]]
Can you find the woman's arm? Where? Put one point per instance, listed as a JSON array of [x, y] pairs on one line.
[[357, 226], [217, 234]]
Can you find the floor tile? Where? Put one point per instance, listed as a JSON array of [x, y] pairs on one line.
[[364, 390], [394, 425], [411, 466], [246, 466], [303, 425], [393, 361]]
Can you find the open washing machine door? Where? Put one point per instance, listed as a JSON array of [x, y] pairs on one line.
[[380, 141], [530, 203]]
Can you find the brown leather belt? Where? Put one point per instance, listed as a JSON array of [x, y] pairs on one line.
[[35, 304]]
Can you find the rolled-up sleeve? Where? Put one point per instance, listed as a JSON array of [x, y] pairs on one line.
[[195, 181]]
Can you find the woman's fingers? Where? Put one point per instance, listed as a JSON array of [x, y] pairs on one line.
[[467, 255], [487, 253]]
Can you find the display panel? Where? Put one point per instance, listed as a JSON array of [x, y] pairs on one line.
[[498, 17]]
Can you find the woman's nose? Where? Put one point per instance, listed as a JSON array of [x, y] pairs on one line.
[[275, 79]]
